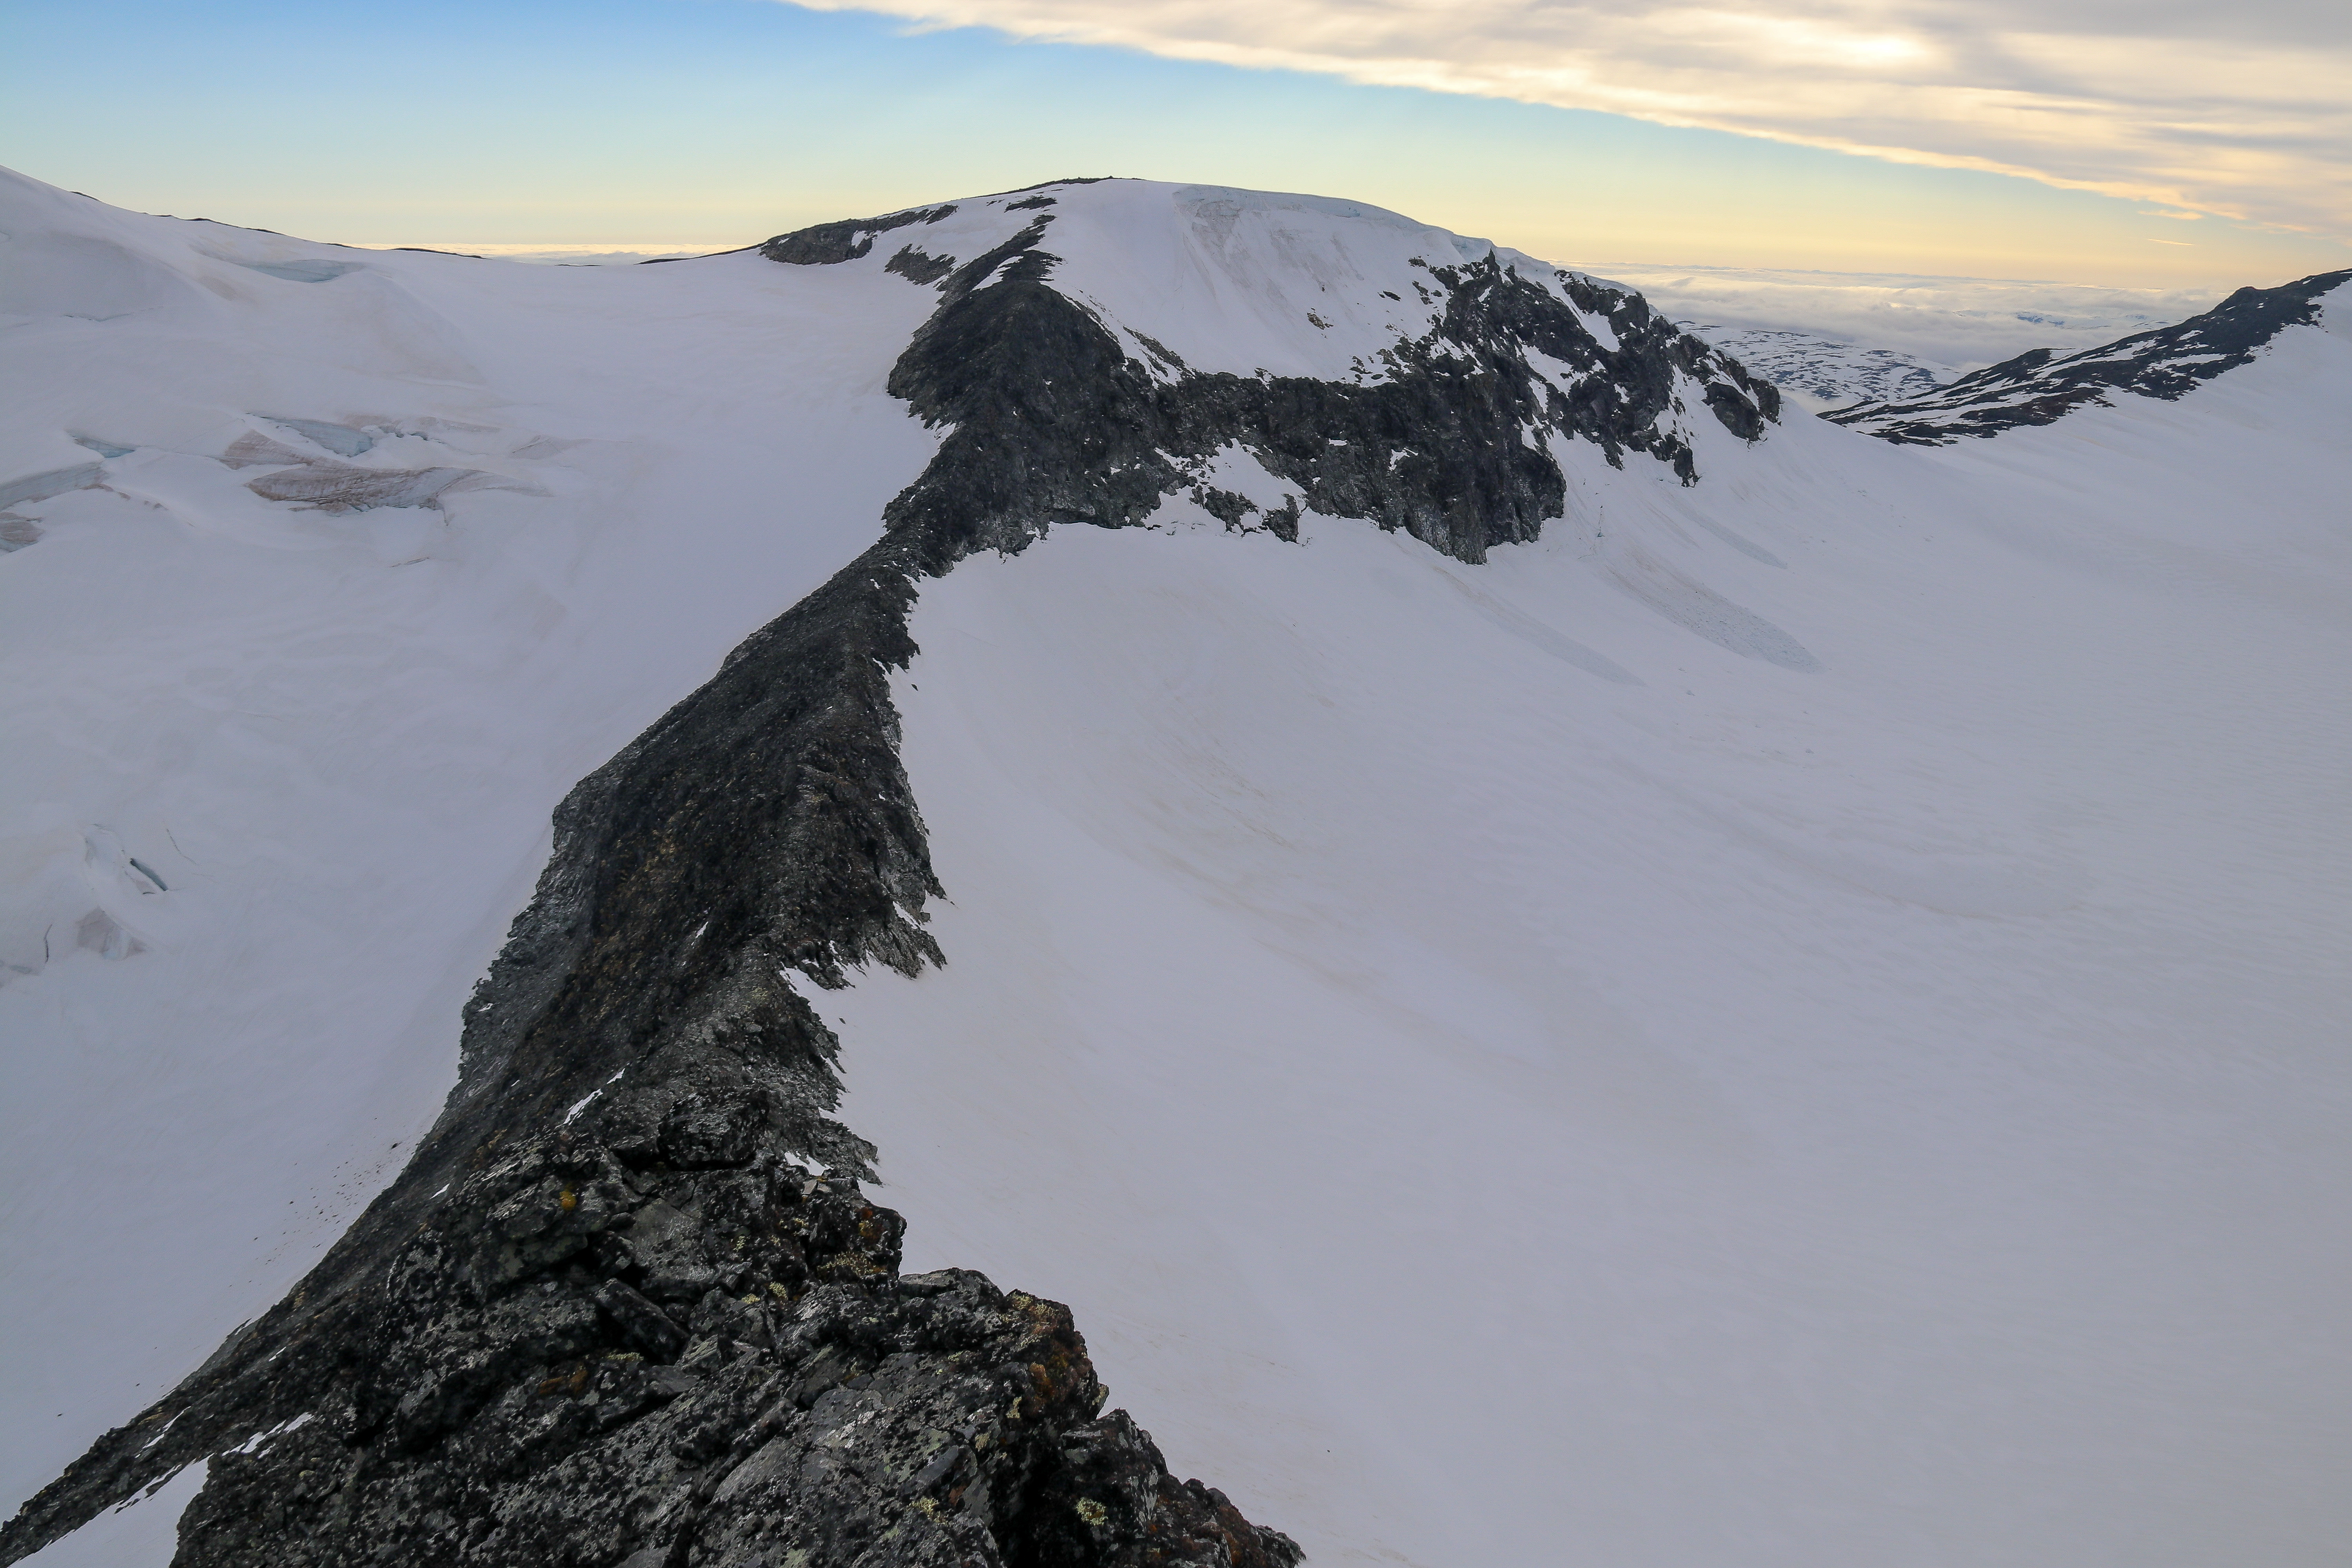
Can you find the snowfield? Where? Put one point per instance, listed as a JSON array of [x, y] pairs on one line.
[[1723, 1113], [1796, 1022]]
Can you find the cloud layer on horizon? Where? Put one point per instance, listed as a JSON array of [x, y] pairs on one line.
[[2241, 112], [1956, 322]]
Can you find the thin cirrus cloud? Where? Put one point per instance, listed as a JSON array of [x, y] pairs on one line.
[[2242, 112]]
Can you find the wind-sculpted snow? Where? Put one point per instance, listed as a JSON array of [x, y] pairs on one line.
[[2043, 386]]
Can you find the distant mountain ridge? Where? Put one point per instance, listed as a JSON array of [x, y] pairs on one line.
[[2043, 386]]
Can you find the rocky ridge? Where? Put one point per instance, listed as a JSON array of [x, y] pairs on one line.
[[628, 1304], [2043, 386]]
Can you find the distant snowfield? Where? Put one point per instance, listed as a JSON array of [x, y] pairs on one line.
[[1963, 323], [1795, 1023], [1818, 373], [607, 254]]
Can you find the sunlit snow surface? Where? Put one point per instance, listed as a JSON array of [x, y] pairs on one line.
[[1793, 1022]]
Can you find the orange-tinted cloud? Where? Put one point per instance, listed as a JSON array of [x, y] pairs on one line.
[[2242, 112]]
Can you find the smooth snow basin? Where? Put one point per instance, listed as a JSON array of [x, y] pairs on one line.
[[1484, 1112]]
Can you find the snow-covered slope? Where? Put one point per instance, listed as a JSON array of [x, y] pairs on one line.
[[1539, 1085], [1773, 998], [331, 741]]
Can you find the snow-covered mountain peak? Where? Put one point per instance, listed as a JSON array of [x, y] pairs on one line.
[[1144, 328], [1223, 279]]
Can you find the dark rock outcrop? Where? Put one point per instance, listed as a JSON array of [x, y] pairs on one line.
[[845, 240], [1053, 420], [2041, 386], [716, 1365], [608, 1317], [916, 267], [576, 1359]]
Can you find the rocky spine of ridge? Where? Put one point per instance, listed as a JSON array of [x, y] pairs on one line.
[[610, 1314], [1053, 422], [628, 1306], [2041, 386]]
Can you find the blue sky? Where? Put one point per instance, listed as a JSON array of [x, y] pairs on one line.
[[715, 122]]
